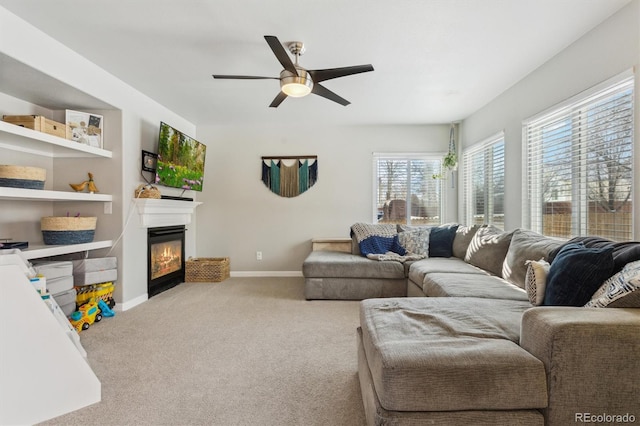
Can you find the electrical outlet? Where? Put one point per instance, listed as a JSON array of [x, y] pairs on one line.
[[108, 207], [258, 255]]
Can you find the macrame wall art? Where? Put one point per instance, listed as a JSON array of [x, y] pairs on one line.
[[290, 176]]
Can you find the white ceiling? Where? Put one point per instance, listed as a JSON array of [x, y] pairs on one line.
[[436, 61]]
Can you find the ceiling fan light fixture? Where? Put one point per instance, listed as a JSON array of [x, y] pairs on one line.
[[296, 86]]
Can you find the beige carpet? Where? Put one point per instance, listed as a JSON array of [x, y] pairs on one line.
[[247, 351]]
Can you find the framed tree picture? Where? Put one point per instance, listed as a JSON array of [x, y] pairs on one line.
[[84, 127]]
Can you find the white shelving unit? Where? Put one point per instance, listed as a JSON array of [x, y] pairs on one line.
[[17, 194], [25, 140], [39, 251], [40, 143]]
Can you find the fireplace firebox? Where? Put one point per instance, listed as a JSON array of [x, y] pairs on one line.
[[165, 258]]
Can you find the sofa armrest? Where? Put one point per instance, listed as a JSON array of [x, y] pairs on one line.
[[591, 361]]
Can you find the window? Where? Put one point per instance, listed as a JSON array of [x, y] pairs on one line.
[[405, 190], [484, 182], [579, 160]]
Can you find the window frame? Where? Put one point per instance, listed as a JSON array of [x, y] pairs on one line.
[[578, 105], [405, 156], [486, 148]]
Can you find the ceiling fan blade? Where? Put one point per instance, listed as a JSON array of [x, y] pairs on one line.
[[326, 93], [243, 77], [281, 54], [278, 100], [328, 74]]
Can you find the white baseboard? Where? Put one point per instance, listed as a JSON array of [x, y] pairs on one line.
[[131, 303], [266, 273]]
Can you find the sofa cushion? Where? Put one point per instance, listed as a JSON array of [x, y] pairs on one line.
[[420, 268], [620, 291], [623, 252], [526, 245], [440, 284], [441, 240], [576, 273], [464, 235], [450, 354], [488, 249], [334, 264], [535, 281]]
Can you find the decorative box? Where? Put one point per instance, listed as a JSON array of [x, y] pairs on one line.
[[39, 123], [22, 177], [68, 230], [206, 269]]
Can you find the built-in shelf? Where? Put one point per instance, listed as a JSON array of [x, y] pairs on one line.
[[18, 194], [159, 212], [44, 144], [39, 251]]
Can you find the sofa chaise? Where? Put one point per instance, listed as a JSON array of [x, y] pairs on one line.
[[470, 346]]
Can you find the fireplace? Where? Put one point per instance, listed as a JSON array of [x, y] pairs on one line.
[[165, 258]]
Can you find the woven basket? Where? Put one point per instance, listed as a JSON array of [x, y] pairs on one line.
[[147, 191], [67, 230], [22, 177], [206, 269]]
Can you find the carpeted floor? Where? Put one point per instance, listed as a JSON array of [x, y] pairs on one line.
[[247, 351]]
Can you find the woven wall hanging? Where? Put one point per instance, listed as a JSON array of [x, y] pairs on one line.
[[289, 176]]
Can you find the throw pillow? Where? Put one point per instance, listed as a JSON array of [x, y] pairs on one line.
[[576, 273], [441, 240], [624, 252], [525, 245], [488, 249], [620, 291], [464, 235], [536, 280], [415, 241]]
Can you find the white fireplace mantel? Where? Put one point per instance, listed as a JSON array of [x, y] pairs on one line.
[[160, 212]]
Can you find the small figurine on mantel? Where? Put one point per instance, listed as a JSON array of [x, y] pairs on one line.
[[87, 184]]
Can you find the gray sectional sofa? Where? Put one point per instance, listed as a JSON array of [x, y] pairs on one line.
[[457, 341]]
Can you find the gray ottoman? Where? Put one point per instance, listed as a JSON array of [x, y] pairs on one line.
[[447, 361]]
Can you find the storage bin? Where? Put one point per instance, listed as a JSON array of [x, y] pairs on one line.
[[52, 270], [68, 230], [39, 123], [22, 177], [94, 265], [60, 284], [95, 277], [66, 300], [206, 269]]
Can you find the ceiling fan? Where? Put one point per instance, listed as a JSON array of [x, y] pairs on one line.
[[295, 81]]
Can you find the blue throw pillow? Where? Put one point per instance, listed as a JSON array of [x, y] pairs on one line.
[[441, 240], [576, 273]]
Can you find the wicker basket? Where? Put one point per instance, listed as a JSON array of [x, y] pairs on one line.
[[147, 191], [206, 269], [67, 230], [22, 177]]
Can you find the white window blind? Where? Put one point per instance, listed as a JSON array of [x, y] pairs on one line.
[[483, 166], [405, 190], [579, 161]]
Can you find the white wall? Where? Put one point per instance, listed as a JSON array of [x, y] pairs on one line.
[[607, 50], [241, 216], [134, 125]]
